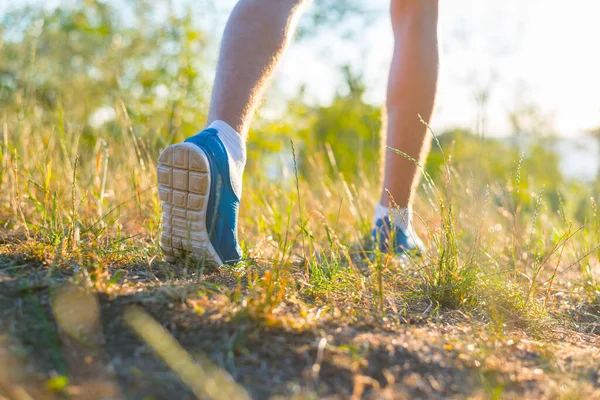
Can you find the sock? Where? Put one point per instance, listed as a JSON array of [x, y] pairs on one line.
[[236, 150], [401, 217]]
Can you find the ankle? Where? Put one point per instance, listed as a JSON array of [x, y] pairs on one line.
[[233, 141], [235, 145], [401, 217]]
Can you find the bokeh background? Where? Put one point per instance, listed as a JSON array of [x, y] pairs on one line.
[[516, 75]]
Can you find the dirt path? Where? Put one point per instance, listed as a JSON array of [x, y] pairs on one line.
[[448, 357]]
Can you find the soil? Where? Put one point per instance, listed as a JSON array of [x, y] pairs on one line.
[[449, 357]]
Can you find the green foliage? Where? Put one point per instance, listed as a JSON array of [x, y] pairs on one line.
[[86, 59], [347, 132], [331, 13]]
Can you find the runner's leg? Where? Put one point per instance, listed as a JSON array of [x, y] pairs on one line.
[[411, 92], [255, 37]]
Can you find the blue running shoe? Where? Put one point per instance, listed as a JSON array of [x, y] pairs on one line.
[[405, 243], [200, 206]]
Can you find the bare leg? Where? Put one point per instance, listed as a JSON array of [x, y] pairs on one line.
[[411, 92], [255, 37]]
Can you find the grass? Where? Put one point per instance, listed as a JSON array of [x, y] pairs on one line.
[[504, 304]]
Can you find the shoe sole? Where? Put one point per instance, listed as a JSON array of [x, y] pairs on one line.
[[183, 175]]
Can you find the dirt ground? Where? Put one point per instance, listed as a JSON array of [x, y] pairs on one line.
[[448, 356]]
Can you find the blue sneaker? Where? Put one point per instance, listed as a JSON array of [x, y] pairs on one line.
[[200, 206], [405, 243]]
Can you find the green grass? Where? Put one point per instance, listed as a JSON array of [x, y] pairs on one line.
[[504, 263], [505, 269]]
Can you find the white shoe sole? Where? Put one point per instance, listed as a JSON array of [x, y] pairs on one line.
[[183, 175]]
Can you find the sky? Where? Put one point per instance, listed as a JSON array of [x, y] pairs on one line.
[[543, 53]]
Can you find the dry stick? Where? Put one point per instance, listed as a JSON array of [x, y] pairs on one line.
[[536, 212], [137, 145], [101, 218], [73, 208], [596, 221], [563, 240], [5, 151], [446, 163], [18, 195], [575, 263], [516, 216], [56, 259], [134, 139], [285, 240], [104, 176], [562, 249], [473, 252], [450, 213], [299, 201], [427, 177], [353, 203]]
